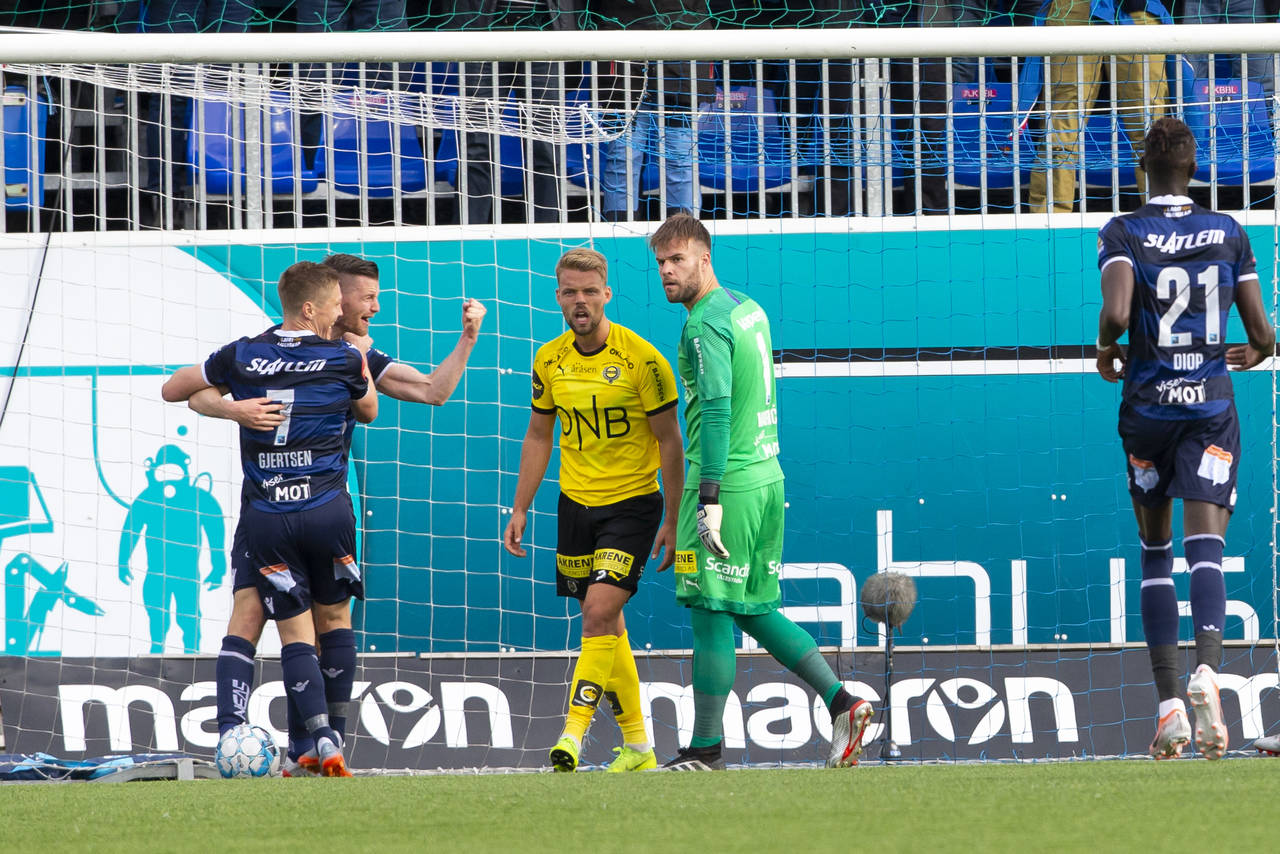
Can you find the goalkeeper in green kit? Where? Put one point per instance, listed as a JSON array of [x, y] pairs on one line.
[[729, 532]]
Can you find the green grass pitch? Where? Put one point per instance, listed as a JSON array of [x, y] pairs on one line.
[[1183, 805]]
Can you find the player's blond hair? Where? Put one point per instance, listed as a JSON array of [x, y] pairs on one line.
[[304, 282], [584, 260]]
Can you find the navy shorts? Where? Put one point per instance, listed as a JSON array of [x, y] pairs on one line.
[[1193, 460], [242, 574], [304, 557], [604, 545]]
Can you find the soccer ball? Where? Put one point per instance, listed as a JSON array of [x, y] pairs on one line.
[[247, 751]]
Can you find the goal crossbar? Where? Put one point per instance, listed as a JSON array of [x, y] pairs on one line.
[[27, 46]]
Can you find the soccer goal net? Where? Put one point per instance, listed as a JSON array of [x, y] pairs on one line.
[[939, 411]]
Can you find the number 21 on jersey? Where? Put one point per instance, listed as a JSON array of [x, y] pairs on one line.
[[1175, 283]]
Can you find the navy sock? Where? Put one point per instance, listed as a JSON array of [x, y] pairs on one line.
[[1159, 604], [338, 666], [305, 686], [1159, 601], [1208, 595], [300, 740], [233, 677]]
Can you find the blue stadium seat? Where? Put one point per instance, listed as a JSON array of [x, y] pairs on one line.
[[23, 180], [363, 143], [216, 140], [757, 135], [510, 151], [510, 148], [1239, 117], [976, 112]]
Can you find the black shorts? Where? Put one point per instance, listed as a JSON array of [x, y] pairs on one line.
[[304, 557], [605, 545], [1193, 460]]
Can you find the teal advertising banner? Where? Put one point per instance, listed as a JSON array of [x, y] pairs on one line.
[[939, 415]]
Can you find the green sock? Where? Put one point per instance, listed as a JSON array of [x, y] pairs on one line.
[[794, 648], [714, 666]]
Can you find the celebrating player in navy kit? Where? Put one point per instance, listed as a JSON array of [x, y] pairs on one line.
[[297, 520], [1170, 272], [358, 278]]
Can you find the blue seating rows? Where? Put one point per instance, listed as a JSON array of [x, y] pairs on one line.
[[1232, 125], [23, 174], [219, 127]]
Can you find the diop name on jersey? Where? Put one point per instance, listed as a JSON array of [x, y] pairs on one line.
[[1171, 243], [1187, 361], [269, 367]]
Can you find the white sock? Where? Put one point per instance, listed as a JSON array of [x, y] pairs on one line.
[[1167, 706], [642, 747]]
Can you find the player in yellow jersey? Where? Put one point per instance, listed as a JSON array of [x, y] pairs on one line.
[[615, 397]]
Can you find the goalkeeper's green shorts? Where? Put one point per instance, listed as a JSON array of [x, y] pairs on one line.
[[746, 583]]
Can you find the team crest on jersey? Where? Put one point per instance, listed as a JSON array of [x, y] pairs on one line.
[[1144, 473], [611, 373], [1215, 465]]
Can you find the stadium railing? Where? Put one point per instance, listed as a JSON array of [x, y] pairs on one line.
[[795, 125]]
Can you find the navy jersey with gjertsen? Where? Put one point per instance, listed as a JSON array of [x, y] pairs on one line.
[[302, 463], [1187, 261]]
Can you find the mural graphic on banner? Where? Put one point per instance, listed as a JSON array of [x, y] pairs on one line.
[[25, 622], [94, 465], [172, 513]]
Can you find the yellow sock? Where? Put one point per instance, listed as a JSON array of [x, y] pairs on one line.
[[624, 683], [589, 676]]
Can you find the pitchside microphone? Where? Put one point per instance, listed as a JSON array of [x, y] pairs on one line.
[[888, 597]]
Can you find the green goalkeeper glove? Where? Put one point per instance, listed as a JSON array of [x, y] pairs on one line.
[[710, 512]]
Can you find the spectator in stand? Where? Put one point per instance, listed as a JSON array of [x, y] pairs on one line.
[[980, 13], [328, 16], [925, 177], [1260, 66], [172, 16], [536, 82], [1072, 87], [663, 100]]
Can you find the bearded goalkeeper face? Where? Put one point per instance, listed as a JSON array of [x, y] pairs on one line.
[[685, 268]]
